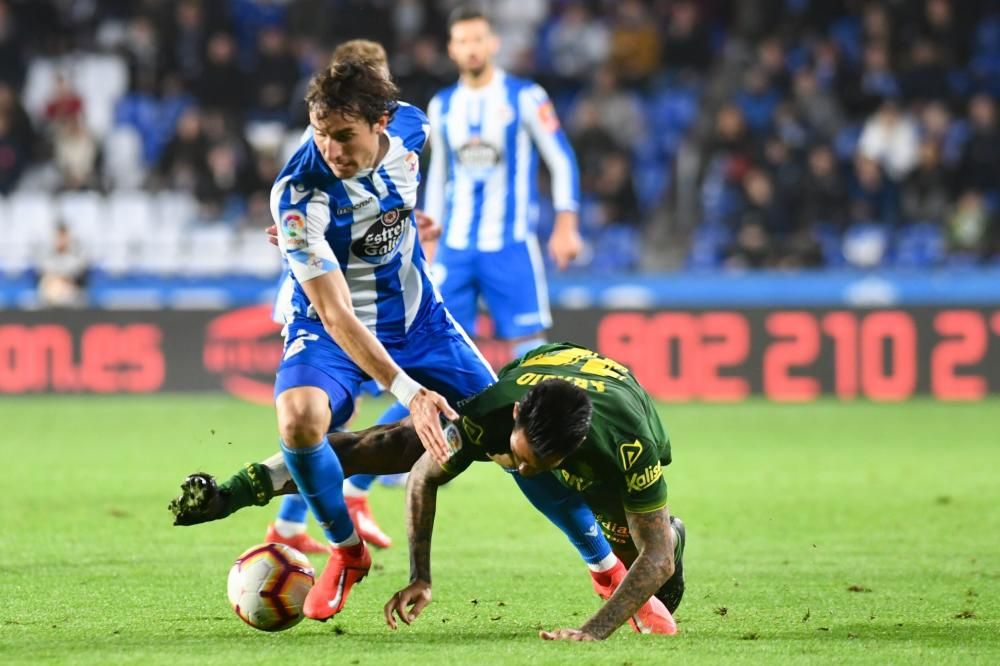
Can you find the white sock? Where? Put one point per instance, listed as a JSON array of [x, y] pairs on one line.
[[606, 564], [351, 490], [287, 528], [352, 540]]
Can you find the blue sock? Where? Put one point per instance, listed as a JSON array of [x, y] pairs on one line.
[[396, 412], [524, 346], [320, 478], [567, 511], [293, 509]]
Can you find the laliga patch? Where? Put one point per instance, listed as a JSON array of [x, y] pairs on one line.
[[379, 243], [293, 228], [630, 452]]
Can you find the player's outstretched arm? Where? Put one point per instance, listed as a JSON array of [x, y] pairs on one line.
[[421, 506], [655, 564]]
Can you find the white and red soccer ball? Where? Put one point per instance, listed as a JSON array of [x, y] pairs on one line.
[[268, 585]]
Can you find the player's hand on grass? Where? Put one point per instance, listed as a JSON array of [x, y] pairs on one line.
[[424, 410], [272, 234], [565, 243], [407, 603], [566, 635]]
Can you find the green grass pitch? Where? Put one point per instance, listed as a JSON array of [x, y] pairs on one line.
[[822, 533]]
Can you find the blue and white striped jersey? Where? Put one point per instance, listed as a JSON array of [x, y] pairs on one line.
[[362, 226], [482, 181]]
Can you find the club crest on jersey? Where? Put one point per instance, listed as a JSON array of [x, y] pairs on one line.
[[478, 157], [630, 452], [381, 240]]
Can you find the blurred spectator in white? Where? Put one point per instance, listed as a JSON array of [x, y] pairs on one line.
[[578, 44], [926, 193], [76, 154], [979, 164], [516, 22], [62, 272], [890, 138]]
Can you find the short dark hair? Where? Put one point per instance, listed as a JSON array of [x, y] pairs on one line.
[[468, 12], [354, 88], [555, 417]]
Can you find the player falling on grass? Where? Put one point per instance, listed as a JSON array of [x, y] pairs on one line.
[[595, 427], [289, 527], [563, 410], [364, 308]]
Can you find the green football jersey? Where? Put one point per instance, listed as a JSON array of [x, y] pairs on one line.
[[625, 449]]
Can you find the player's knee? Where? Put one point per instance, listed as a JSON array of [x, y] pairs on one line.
[[302, 422]]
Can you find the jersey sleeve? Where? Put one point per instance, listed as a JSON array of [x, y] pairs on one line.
[[540, 118], [302, 215], [412, 126], [434, 186], [643, 487]]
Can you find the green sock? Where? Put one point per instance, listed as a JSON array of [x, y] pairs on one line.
[[249, 486]]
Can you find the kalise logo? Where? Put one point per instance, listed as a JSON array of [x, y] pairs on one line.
[[245, 348]]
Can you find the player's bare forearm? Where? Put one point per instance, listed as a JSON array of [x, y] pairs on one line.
[[650, 570], [421, 506]]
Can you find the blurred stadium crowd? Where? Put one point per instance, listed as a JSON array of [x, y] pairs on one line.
[[750, 133]]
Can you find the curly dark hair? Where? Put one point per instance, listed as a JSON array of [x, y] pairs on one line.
[[354, 88], [555, 417]]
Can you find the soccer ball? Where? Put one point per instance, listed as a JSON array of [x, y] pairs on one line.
[[268, 585]]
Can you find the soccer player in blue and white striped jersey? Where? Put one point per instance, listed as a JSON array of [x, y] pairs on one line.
[[362, 306], [487, 132]]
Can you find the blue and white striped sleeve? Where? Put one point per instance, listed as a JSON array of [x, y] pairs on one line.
[[437, 172], [540, 118], [302, 214]]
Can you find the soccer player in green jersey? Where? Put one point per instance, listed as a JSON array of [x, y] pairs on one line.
[[565, 410], [561, 409]]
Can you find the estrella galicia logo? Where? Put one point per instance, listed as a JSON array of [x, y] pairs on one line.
[[382, 238]]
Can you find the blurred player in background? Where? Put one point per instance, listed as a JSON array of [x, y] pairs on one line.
[[487, 131]]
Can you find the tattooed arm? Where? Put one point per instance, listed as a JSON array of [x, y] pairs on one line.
[[421, 505], [655, 564]]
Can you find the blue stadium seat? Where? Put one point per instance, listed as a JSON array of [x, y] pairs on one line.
[[919, 245], [618, 249]]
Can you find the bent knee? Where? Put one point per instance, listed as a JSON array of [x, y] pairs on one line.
[[303, 416]]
